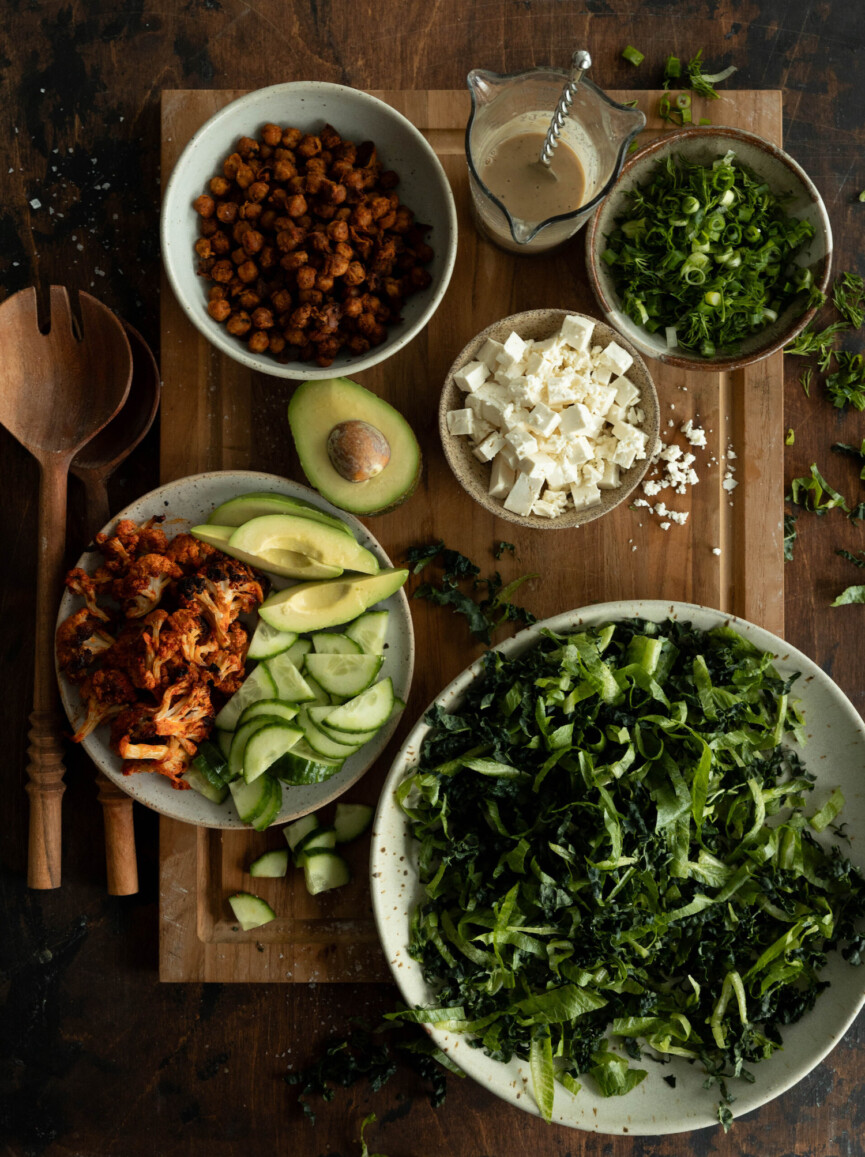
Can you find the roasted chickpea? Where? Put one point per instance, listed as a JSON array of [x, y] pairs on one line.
[[203, 247], [309, 146], [252, 241], [220, 242], [248, 299], [276, 343], [355, 273], [281, 300], [258, 190], [226, 212], [219, 186], [244, 176], [262, 318], [258, 342], [296, 206], [208, 226], [204, 205], [306, 277], [239, 323], [219, 309], [248, 271], [222, 271], [247, 147], [323, 283], [291, 138], [271, 134]]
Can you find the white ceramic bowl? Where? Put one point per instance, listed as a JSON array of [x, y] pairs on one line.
[[188, 502], [474, 476], [783, 175], [309, 105], [835, 754]]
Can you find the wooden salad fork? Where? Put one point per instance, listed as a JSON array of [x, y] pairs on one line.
[[57, 390]]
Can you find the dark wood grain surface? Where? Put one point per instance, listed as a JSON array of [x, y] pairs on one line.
[[96, 1057]]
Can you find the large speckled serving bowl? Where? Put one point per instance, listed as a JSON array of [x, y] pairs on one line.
[[309, 105], [474, 476], [834, 754], [783, 175]]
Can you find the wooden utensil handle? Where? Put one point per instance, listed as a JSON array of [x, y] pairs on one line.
[[45, 768], [120, 859], [96, 501]]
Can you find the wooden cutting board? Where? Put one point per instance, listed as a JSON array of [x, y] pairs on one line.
[[218, 415]]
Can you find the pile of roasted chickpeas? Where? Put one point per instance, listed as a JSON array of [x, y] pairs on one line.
[[308, 247]]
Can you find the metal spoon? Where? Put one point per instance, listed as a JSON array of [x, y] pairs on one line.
[[57, 390], [93, 465], [581, 61]]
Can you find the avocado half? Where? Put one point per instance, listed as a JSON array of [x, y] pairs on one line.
[[316, 408]]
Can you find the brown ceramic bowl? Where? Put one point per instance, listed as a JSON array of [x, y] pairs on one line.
[[783, 175], [474, 476]]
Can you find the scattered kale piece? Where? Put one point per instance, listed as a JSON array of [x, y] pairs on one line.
[[854, 594], [597, 864], [501, 547], [815, 494], [858, 559], [482, 616], [846, 387], [373, 1054], [370, 1119], [857, 514], [789, 536], [848, 297], [855, 451]]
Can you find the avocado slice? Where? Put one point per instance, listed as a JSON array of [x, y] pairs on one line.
[[278, 532], [317, 605], [238, 510], [353, 472], [287, 563]]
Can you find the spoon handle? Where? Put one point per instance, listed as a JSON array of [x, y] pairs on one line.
[[45, 768], [120, 860]]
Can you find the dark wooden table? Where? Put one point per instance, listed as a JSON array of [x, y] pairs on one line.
[[96, 1057]]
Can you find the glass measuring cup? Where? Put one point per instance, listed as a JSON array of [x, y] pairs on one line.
[[598, 130]]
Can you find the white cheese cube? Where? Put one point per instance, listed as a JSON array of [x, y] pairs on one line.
[[605, 447], [512, 351], [561, 390], [585, 496], [506, 374], [489, 447], [536, 363], [543, 420], [461, 421], [494, 406], [625, 432], [489, 354], [616, 413], [522, 495], [481, 429], [617, 357], [566, 472], [593, 472], [625, 455], [627, 393], [470, 377], [525, 391], [509, 454], [502, 477], [545, 509], [536, 465], [599, 398], [548, 348], [610, 480], [602, 373], [578, 419], [577, 332], [522, 441], [579, 451]]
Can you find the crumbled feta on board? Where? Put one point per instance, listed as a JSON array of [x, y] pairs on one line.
[[557, 419]]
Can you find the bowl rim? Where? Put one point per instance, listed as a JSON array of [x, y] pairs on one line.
[[302, 371], [450, 441], [734, 361]]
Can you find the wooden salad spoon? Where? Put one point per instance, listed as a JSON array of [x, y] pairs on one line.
[[93, 465], [56, 391]]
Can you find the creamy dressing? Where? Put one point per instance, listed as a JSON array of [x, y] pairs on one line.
[[512, 172]]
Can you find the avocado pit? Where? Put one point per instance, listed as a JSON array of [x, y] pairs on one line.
[[357, 450]]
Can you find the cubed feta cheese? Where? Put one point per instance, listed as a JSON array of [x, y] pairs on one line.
[[602, 373], [560, 390], [625, 455], [599, 398], [470, 377], [578, 419], [609, 480], [489, 354], [522, 441], [490, 446], [627, 393], [625, 432], [585, 496], [481, 429], [513, 350], [525, 391], [543, 420], [536, 465], [579, 451], [522, 495], [593, 472], [506, 374], [617, 357], [461, 421], [502, 477], [510, 456], [577, 332]]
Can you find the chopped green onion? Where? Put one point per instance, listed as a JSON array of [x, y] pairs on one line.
[[712, 298], [790, 440], [704, 121], [683, 100], [672, 337], [862, 195], [672, 69], [633, 55]]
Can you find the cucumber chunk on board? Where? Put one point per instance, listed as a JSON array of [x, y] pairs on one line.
[[323, 870], [271, 865], [351, 820], [250, 911]]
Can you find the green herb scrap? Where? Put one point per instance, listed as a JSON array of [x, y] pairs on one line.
[[704, 253], [789, 536], [854, 451], [702, 82], [854, 594], [483, 616], [846, 387], [848, 296], [815, 494], [599, 872], [858, 559]]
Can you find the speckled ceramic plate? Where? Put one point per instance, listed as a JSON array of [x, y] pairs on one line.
[[835, 753], [185, 503]]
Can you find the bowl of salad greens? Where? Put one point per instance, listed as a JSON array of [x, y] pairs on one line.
[[712, 251], [617, 863]]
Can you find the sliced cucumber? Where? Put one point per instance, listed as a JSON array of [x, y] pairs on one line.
[[318, 715], [366, 712], [351, 820], [322, 699], [250, 911], [343, 674], [238, 744], [369, 631], [258, 685], [211, 763], [272, 808], [295, 831], [287, 679], [319, 839], [322, 743], [266, 745], [271, 865], [324, 870], [332, 643], [223, 740], [302, 765], [253, 800], [199, 782], [275, 708], [267, 641], [298, 650]]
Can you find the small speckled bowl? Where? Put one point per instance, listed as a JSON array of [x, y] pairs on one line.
[[474, 476], [782, 174]]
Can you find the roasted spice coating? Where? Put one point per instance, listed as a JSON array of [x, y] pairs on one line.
[[307, 245], [158, 639]]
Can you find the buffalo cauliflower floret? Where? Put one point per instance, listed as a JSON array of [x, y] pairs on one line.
[[89, 587], [189, 552], [105, 693], [139, 590], [81, 639], [221, 590], [130, 541], [185, 711]]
